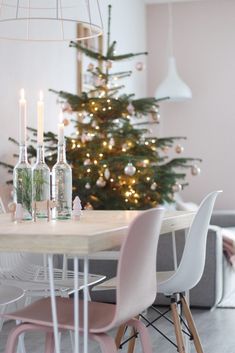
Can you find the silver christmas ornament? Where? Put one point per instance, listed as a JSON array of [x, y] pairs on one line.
[[87, 186], [177, 187], [107, 174], [130, 169], [101, 182], [179, 149], [195, 170], [153, 187]]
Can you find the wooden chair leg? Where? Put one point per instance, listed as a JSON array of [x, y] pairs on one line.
[[191, 325], [120, 334], [178, 330], [131, 344]]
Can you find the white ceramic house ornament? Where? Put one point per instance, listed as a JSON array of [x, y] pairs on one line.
[[77, 209]]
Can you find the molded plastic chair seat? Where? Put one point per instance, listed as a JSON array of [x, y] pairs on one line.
[[39, 312]]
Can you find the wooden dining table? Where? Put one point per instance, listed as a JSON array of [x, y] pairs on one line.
[[96, 231]]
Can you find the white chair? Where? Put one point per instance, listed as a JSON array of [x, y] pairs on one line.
[[174, 284]]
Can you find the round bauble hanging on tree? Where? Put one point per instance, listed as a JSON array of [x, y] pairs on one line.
[[195, 170], [179, 149], [66, 122], [112, 142], [101, 182], [177, 187], [88, 206], [130, 108], [87, 162], [88, 186], [139, 66], [153, 187], [130, 169], [107, 174]]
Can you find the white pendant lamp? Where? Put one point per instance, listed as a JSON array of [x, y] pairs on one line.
[[49, 20], [173, 86]]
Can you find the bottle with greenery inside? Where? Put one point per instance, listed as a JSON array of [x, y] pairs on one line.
[[62, 181], [41, 181], [22, 180]]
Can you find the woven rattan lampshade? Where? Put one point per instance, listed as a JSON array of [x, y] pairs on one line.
[[49, 20]]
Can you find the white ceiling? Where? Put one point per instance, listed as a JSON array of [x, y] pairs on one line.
[[167, 1]]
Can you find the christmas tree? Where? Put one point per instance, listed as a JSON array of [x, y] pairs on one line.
[[116, 163]]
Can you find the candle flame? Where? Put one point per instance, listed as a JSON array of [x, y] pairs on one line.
[[41, 96], [22, 94]]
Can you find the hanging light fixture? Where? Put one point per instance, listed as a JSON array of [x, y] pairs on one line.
[[173, 86], [49, 20]]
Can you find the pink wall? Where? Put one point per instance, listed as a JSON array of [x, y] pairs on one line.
[[204, 47]]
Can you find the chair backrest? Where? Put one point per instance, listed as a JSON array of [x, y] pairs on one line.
[[136, 274], [192, 264]]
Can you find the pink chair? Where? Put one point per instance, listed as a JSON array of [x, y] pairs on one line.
[[136, 291]]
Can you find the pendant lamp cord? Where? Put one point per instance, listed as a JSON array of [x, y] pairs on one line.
[[170, 29]]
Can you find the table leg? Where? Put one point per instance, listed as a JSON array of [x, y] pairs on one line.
[[53, 304], [86, 298], [76, 305]]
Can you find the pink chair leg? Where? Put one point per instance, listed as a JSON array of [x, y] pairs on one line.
[[50, 343], [107, 343], [144, 335], [18, 330]]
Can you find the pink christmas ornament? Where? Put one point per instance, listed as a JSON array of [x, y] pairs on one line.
[[140, 66]]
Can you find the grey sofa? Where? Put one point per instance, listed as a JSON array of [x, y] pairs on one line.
[[213, 286]]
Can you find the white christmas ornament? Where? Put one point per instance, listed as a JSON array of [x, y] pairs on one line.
[[195, 170], [177, 187], [87, 186], [107, 174], [101, 182], [87, 162], [130, 169], [130, 108], [153, 187], [77, 208], [112, 142]]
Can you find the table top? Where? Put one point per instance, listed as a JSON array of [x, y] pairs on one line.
[[96, 231]]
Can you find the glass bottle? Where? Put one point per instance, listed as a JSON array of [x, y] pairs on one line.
[[62, 186], [41, 181], [22, 182]]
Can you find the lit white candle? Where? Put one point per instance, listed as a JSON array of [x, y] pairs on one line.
[[40, 110], [22, 117], [61, 129]]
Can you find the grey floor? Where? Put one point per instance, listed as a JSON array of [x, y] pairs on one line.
[[216, 329]]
